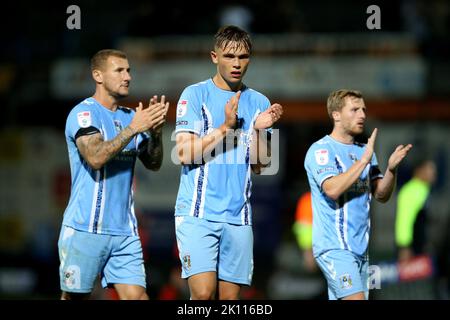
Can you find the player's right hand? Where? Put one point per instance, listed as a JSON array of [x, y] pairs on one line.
[[158, 116], [368, 153], [151, 116], [231, 111]]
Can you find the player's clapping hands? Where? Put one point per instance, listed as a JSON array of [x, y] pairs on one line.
[[397, 156], [267, 118], [231, 111], [151, 117], [368, 152]]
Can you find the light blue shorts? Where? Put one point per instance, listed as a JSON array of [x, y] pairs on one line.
[[223, 248], [84, 256], [346, 273]]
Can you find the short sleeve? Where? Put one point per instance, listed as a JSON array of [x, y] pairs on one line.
[[141, 141], [375, 172], [319, 163], [189, 112], [82, 120]]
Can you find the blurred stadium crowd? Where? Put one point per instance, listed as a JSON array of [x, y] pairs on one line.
[[303, 50]]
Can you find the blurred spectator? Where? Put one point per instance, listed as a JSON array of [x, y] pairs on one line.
[[412, 207], [303, 230]]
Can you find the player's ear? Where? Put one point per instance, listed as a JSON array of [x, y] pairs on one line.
[[97, 75], [336, 116], [214, 57]]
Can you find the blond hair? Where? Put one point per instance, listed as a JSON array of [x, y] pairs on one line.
[[336, 99], [99, 59]]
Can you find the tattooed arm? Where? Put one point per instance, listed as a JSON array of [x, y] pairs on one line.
[[97, 152], [153, 153]]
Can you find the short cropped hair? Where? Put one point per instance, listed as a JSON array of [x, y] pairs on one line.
[[99, 59], [336, 99], [422, 159], [228, 34]]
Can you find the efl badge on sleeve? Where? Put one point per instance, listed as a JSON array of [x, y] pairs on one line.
[[321, 156], [84, 119], [182, 108]]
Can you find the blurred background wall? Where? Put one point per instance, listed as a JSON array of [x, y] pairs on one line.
[[303, 51]]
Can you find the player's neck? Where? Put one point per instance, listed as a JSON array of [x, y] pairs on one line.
[[342, 136], [224, 85], [106, 100]]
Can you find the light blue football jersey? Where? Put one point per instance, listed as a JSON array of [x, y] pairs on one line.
[[101, 201], [345, 223], [218, 190]]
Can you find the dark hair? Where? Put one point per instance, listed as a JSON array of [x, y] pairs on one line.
[[420, 161], [99, 59], [336, 100], [228, 34]]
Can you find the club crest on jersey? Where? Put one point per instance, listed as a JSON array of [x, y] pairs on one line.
[[117, 126], [182, 108], [321, 156], [346, 281], [84, 119], [353, 157]]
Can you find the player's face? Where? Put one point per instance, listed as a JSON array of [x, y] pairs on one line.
[[116, 77], [353, 116], [232, 63]]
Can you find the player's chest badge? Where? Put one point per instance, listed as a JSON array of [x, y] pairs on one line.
[[118, 126]]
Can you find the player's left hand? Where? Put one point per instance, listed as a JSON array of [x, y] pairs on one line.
[[397, 156], [267, 118], [159, 115]]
